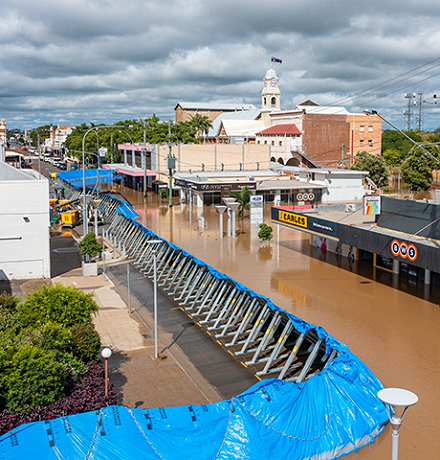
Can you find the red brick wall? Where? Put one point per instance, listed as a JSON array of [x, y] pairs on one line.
[[323, 136]]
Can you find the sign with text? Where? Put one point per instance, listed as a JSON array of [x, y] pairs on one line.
[[371, 205], [256, 209]]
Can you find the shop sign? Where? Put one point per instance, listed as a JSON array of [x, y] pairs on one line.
[[371, 205], [305, 196], [404, 250], [294, 219], [256, 201]]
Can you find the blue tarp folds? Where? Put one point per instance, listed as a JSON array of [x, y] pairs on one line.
[[334, 412], [75, 178]]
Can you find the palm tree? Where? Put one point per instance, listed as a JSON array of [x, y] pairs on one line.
[[201, 123], [243, 197]]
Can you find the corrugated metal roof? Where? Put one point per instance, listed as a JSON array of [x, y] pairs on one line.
[[287, 185], [242, 127], [323, 110], [214, 106], [281, 130], [251, 114]]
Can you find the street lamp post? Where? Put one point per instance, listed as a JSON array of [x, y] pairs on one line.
[[393, 398], [85, 223], [156, 353], [171, 164], [145, 157], [106, 353], [38, 151]]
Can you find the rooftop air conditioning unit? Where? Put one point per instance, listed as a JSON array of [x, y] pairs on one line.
[[350, 207], [250, 178]]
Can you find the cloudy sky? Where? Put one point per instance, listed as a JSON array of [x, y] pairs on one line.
[[69, 62]]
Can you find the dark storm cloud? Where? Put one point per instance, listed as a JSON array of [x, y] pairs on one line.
[[104, 60]]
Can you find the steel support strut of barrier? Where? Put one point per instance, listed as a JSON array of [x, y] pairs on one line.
[[262, 337]]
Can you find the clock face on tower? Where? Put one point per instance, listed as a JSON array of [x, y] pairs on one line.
[[273, 82]]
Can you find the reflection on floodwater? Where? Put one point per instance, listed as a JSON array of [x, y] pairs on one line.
[[395, 333]]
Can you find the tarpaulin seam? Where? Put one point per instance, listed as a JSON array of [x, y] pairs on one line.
[[231, 411], [144, 435], [94, 434], [295, 437], [348, 380]]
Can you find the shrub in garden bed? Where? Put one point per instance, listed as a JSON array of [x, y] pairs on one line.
[[84, 397], [48, 352]]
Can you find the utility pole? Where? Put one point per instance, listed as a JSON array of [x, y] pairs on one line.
[[145, 158], [171, 164]]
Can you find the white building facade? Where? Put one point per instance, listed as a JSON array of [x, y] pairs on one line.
[[24, 224]]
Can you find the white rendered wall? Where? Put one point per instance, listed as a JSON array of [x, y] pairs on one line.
[[346, 188], [24, 243]]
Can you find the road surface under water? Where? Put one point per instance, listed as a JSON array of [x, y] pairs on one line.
[[396, 334]]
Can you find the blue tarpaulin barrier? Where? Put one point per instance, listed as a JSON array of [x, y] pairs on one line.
[[334, 412], [92, 176], [331, 414]]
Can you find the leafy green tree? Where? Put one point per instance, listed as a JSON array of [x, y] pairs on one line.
[[392, 157], [65, 305], [417, 168], [30, 377], [243, 197], [392, 139], [127, 131], [265, 232], [375, 165], [88, 246]]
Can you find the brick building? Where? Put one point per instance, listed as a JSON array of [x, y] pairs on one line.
[[329, 137], [315, 136]]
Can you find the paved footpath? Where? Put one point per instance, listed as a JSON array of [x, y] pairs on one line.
[[143, 381], [191, 368]]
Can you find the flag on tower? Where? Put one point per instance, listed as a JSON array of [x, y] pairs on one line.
[[274, 59]]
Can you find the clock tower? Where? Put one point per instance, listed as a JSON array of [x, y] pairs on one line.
[[270, 96]]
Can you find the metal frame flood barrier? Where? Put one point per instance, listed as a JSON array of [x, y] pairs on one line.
[[268, 340], [316, 400]]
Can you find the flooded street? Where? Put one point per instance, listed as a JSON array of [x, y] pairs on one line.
[[397, 335]]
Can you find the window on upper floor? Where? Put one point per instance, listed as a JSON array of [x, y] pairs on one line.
[[362, 128], [370, 128], [281, 143]]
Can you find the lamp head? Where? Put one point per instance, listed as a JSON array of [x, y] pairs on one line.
[[106, 353], [397, 397]]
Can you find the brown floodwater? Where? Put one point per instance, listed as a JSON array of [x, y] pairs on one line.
[[396, 334]]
